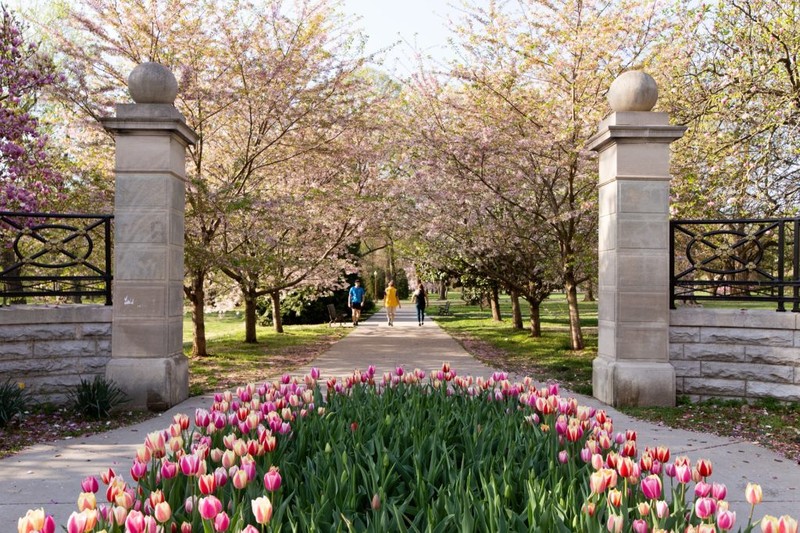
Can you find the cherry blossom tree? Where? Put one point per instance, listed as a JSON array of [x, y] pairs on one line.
[[27, 176], [531, 82], [732, 76]]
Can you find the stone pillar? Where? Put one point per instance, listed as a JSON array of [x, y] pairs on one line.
[[632, 367], [147, 360]]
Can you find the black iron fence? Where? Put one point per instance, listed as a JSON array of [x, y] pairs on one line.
[[740, 260], [55, 255]]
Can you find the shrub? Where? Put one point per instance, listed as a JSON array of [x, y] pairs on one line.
[[97, 398], [13, 401]]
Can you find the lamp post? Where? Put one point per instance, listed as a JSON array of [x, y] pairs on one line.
[[375, 284]]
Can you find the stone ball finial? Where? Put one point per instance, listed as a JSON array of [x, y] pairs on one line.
[[152, 83], [633, 91]]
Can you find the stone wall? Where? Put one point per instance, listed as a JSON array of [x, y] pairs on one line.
[[735, 353], [50, 348]]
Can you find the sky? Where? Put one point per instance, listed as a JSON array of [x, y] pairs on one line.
[[420, 24], [413, 24]]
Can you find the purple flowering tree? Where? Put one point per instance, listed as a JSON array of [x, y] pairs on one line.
[[27, 178]]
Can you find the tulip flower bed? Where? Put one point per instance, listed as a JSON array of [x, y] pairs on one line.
[[401, 452]]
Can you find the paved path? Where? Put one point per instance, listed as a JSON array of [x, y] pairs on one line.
[[49, 475]]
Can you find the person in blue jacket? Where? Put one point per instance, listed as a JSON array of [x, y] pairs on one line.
[[355, 300]]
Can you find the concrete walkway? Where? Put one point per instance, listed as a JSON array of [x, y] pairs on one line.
[[49, 475]]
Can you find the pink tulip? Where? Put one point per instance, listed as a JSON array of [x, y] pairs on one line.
[[262, 509], [704, 507], [209, 507], [719, 491], [138, 470], [186, 527], [787, 524], [239, 479], [683, 473], [640, 526], [168, 470], [36, 521], [702, 489], [135, 522], [76, 523], [86, 500], [162, 512], [753, 493], [272, 479], [250, 529], [662, 509], [563, 457], [651, 487], [222, 521], [89, 484], [769, 524], [614, 523], [190, 465], [726, 519]]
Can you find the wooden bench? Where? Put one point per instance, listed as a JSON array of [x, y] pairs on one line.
[[444, 310], [335, 316]]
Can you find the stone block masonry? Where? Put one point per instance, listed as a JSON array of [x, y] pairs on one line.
[[735, 353], [51, 348]]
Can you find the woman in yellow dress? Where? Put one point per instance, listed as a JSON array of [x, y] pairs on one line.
[[391, 302]]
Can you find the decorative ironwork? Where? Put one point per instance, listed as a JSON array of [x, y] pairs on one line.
[[55, 255], [741, 260]]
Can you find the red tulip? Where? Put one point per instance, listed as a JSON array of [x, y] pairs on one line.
[[704, 468], [207, 484]]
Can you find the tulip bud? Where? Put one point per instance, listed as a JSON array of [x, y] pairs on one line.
[[376, 502]]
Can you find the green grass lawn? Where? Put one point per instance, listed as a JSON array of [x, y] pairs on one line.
[[232, 362], [546, 358]]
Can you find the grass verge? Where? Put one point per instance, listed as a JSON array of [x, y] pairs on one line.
[[769, 423]]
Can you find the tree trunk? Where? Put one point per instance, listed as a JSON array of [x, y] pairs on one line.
[[589, 294], [443, 289], [494, 300], [249, 318], [7, 259], [536, 322], [575, 333], [197, 296], [516, 311], [276, 311]]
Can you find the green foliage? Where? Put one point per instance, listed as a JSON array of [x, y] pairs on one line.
[[13, 401], [548, 357], [474, 465], [97, 398]]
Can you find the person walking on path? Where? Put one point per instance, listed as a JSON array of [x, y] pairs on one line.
[[391, 302], [421, 299], [355, 300]]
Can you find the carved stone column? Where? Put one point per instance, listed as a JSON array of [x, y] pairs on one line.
[[147, 359], [632, 367]]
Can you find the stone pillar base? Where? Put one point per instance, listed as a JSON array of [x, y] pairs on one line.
[[628, 383], [155, 384]]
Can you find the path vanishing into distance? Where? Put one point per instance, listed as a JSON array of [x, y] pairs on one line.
[[49, 475]]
